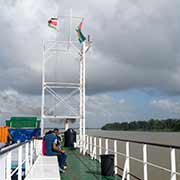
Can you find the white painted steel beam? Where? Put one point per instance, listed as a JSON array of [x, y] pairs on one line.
[[126, 169], [128, 160], [95, 149], [62, 87], [83, 98], [115, 157], [27, 165], [8, 166], [100, 148], [3, 166], [60, 117], [61, 83], [87, 143], [145, 162], [173, 164], [20, 163], [31, 153], [91, 146], [43, 92], [106, 146]]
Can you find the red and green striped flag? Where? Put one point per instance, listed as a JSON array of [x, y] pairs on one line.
[[80, 35], [53, 22]]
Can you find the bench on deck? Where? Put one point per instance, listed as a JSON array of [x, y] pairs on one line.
[[44, 168]]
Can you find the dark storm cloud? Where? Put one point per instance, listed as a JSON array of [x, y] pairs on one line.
[[142, 38], [135, 44]]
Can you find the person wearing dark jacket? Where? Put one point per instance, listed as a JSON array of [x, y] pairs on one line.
[[52, 149]]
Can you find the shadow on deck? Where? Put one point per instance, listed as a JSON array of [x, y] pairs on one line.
[[83, 168]]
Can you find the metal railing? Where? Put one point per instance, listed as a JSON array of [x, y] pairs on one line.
[[92, 148], [23, 154]]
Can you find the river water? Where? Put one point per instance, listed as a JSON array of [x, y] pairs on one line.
[[156, 155]]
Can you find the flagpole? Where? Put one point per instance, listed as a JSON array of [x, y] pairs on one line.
[[84, 100], [43, 93], [56, 59]]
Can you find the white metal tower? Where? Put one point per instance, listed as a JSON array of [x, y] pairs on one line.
[[56, 49]]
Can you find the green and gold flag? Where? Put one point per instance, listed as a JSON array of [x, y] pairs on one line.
[[80, 35], [53, 22]]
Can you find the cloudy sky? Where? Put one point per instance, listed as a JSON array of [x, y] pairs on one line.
[[133, 68]]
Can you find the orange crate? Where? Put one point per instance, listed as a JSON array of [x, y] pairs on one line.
[[4, 134]]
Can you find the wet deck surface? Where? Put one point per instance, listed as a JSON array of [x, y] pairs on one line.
[[83, 168]]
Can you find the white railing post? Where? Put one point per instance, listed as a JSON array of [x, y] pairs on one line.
[[87, 143], [126, 164], [8, 166], [31, 153], [20, 163], [173, 164], [77, 141], [115, 156], [145, 162], [95, 153], [84, 144], [27, 158], [91, 146], [3, 167], [128, 160], [106, 146], [100, 148]]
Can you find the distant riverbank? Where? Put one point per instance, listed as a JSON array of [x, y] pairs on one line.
[[153, 125]]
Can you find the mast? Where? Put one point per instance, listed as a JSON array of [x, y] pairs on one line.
[[64, 47], [82, 101], [42, 86]]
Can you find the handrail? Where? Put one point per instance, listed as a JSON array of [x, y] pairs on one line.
[[95, 150], [25, 155], [12, 147], [140, 142]]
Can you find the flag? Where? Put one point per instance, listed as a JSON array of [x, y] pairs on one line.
[[80, 35], [80, 25], [53, 22]]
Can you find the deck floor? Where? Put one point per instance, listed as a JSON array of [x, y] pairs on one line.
[[83, 168]]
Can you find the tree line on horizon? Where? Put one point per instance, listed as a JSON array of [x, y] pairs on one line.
[[150, 125]]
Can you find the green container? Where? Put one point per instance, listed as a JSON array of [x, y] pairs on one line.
[[24, 118], [24, 122], [8, 123]]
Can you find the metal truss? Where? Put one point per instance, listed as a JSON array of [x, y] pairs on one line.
[[70, 47]]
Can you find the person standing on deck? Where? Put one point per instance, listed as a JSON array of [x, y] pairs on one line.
[[53, 150]]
